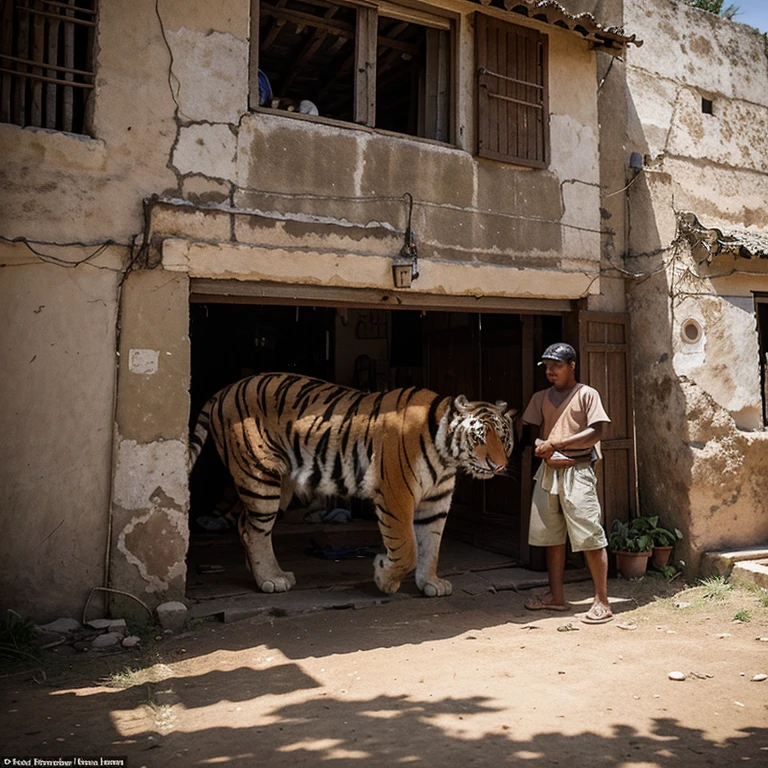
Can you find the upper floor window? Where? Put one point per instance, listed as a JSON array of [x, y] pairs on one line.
[[512, 93], [385, 66], [46, 62]]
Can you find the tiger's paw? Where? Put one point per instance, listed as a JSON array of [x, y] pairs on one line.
[[436, 588], [280, 583], [382, 575]]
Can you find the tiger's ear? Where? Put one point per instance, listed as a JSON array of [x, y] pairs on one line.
[[501, 405], [462, 404]]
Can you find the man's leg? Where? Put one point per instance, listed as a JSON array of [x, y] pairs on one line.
[[581, 508], [597, 562], [547, 526], [556, 570]]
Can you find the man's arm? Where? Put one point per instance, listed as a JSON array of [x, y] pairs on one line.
[[584, 439]]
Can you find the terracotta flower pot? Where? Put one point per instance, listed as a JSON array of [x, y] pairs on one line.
[[632, 565], [660, 556]]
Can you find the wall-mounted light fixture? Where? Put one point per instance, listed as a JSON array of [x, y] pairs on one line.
[[636, 161], [406, 268], [402, 274]]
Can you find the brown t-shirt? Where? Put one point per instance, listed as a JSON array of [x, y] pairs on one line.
[[563, 414]]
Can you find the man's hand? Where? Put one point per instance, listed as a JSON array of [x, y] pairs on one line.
[[544, 449]]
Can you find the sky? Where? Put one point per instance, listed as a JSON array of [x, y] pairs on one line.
[[752, 12]]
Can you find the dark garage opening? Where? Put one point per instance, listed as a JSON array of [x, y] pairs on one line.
[[479, 355]]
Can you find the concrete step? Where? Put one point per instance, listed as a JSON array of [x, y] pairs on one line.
[[742, 566]]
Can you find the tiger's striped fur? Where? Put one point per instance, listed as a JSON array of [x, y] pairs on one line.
[[280, 434]]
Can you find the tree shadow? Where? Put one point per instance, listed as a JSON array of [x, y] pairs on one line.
[[383, 730]]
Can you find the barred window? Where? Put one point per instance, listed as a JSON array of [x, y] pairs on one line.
[[512, 109], [46, 62]]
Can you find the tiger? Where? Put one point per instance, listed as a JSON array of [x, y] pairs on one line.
[[281, 434]]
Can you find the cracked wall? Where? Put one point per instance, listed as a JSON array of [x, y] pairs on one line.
[[701, 444], [150, 499], [57, 344]]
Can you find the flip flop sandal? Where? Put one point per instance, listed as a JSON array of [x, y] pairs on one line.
[[535, 603], [597, 614]]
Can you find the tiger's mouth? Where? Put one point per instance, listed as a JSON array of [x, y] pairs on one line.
[[488, 468], [494, 467]]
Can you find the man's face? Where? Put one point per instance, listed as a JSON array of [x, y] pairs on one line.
[[560, 375]]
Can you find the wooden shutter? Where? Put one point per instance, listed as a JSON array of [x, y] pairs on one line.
[[512, 97], [605, 364]]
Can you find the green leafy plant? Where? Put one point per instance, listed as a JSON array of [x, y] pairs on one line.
[[669, 573], [742, 615], [662, 536], [715, 588], [18, 638], [716, 7], [630, 537]]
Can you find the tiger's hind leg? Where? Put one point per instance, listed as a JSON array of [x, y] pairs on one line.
[[261, 503], [396, 527]]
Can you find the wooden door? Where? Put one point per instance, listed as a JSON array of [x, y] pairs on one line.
[[481, 357], [498, 526], [605, 364], [452, 369]]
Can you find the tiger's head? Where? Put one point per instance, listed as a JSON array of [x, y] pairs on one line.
[[481, 436]]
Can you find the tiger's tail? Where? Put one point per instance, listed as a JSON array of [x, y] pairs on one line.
[[199, 434]]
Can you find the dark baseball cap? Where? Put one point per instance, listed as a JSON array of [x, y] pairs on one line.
[[561, 352]]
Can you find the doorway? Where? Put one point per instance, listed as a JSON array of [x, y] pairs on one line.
[[488, 356]]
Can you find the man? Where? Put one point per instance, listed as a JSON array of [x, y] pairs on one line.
[[570, 418]]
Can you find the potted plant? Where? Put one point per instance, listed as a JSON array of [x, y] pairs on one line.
[[632, 545], [664, 541]]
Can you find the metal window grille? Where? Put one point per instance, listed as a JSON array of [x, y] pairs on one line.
[[46, 62]]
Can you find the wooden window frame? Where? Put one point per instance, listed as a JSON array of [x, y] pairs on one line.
[[366, 47], [512, 127], [47, 63]]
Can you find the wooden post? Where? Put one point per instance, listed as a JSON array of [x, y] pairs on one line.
[[365, 66]]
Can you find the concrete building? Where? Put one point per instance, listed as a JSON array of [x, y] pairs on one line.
[[379, 194], [696, 98]]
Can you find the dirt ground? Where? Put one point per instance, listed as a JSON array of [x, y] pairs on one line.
[[458, 681]]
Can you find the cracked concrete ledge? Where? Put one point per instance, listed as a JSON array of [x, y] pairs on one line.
[[743, 566]]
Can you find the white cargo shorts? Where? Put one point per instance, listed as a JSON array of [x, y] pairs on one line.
[[565, 505]]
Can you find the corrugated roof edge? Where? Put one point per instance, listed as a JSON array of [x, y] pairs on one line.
[[732, 241], [609, 39]]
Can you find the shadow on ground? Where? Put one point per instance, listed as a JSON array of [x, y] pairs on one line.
[[381, 731]]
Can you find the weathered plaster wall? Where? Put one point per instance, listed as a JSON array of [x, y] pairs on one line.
[[57, 344], [150, 531], [701, 467], [465, 211]]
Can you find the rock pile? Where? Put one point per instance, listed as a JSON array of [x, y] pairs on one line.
[[96, 634], [101, 634]]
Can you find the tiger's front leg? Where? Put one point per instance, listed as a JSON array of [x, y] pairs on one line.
[[255, 525], [429, 522]]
